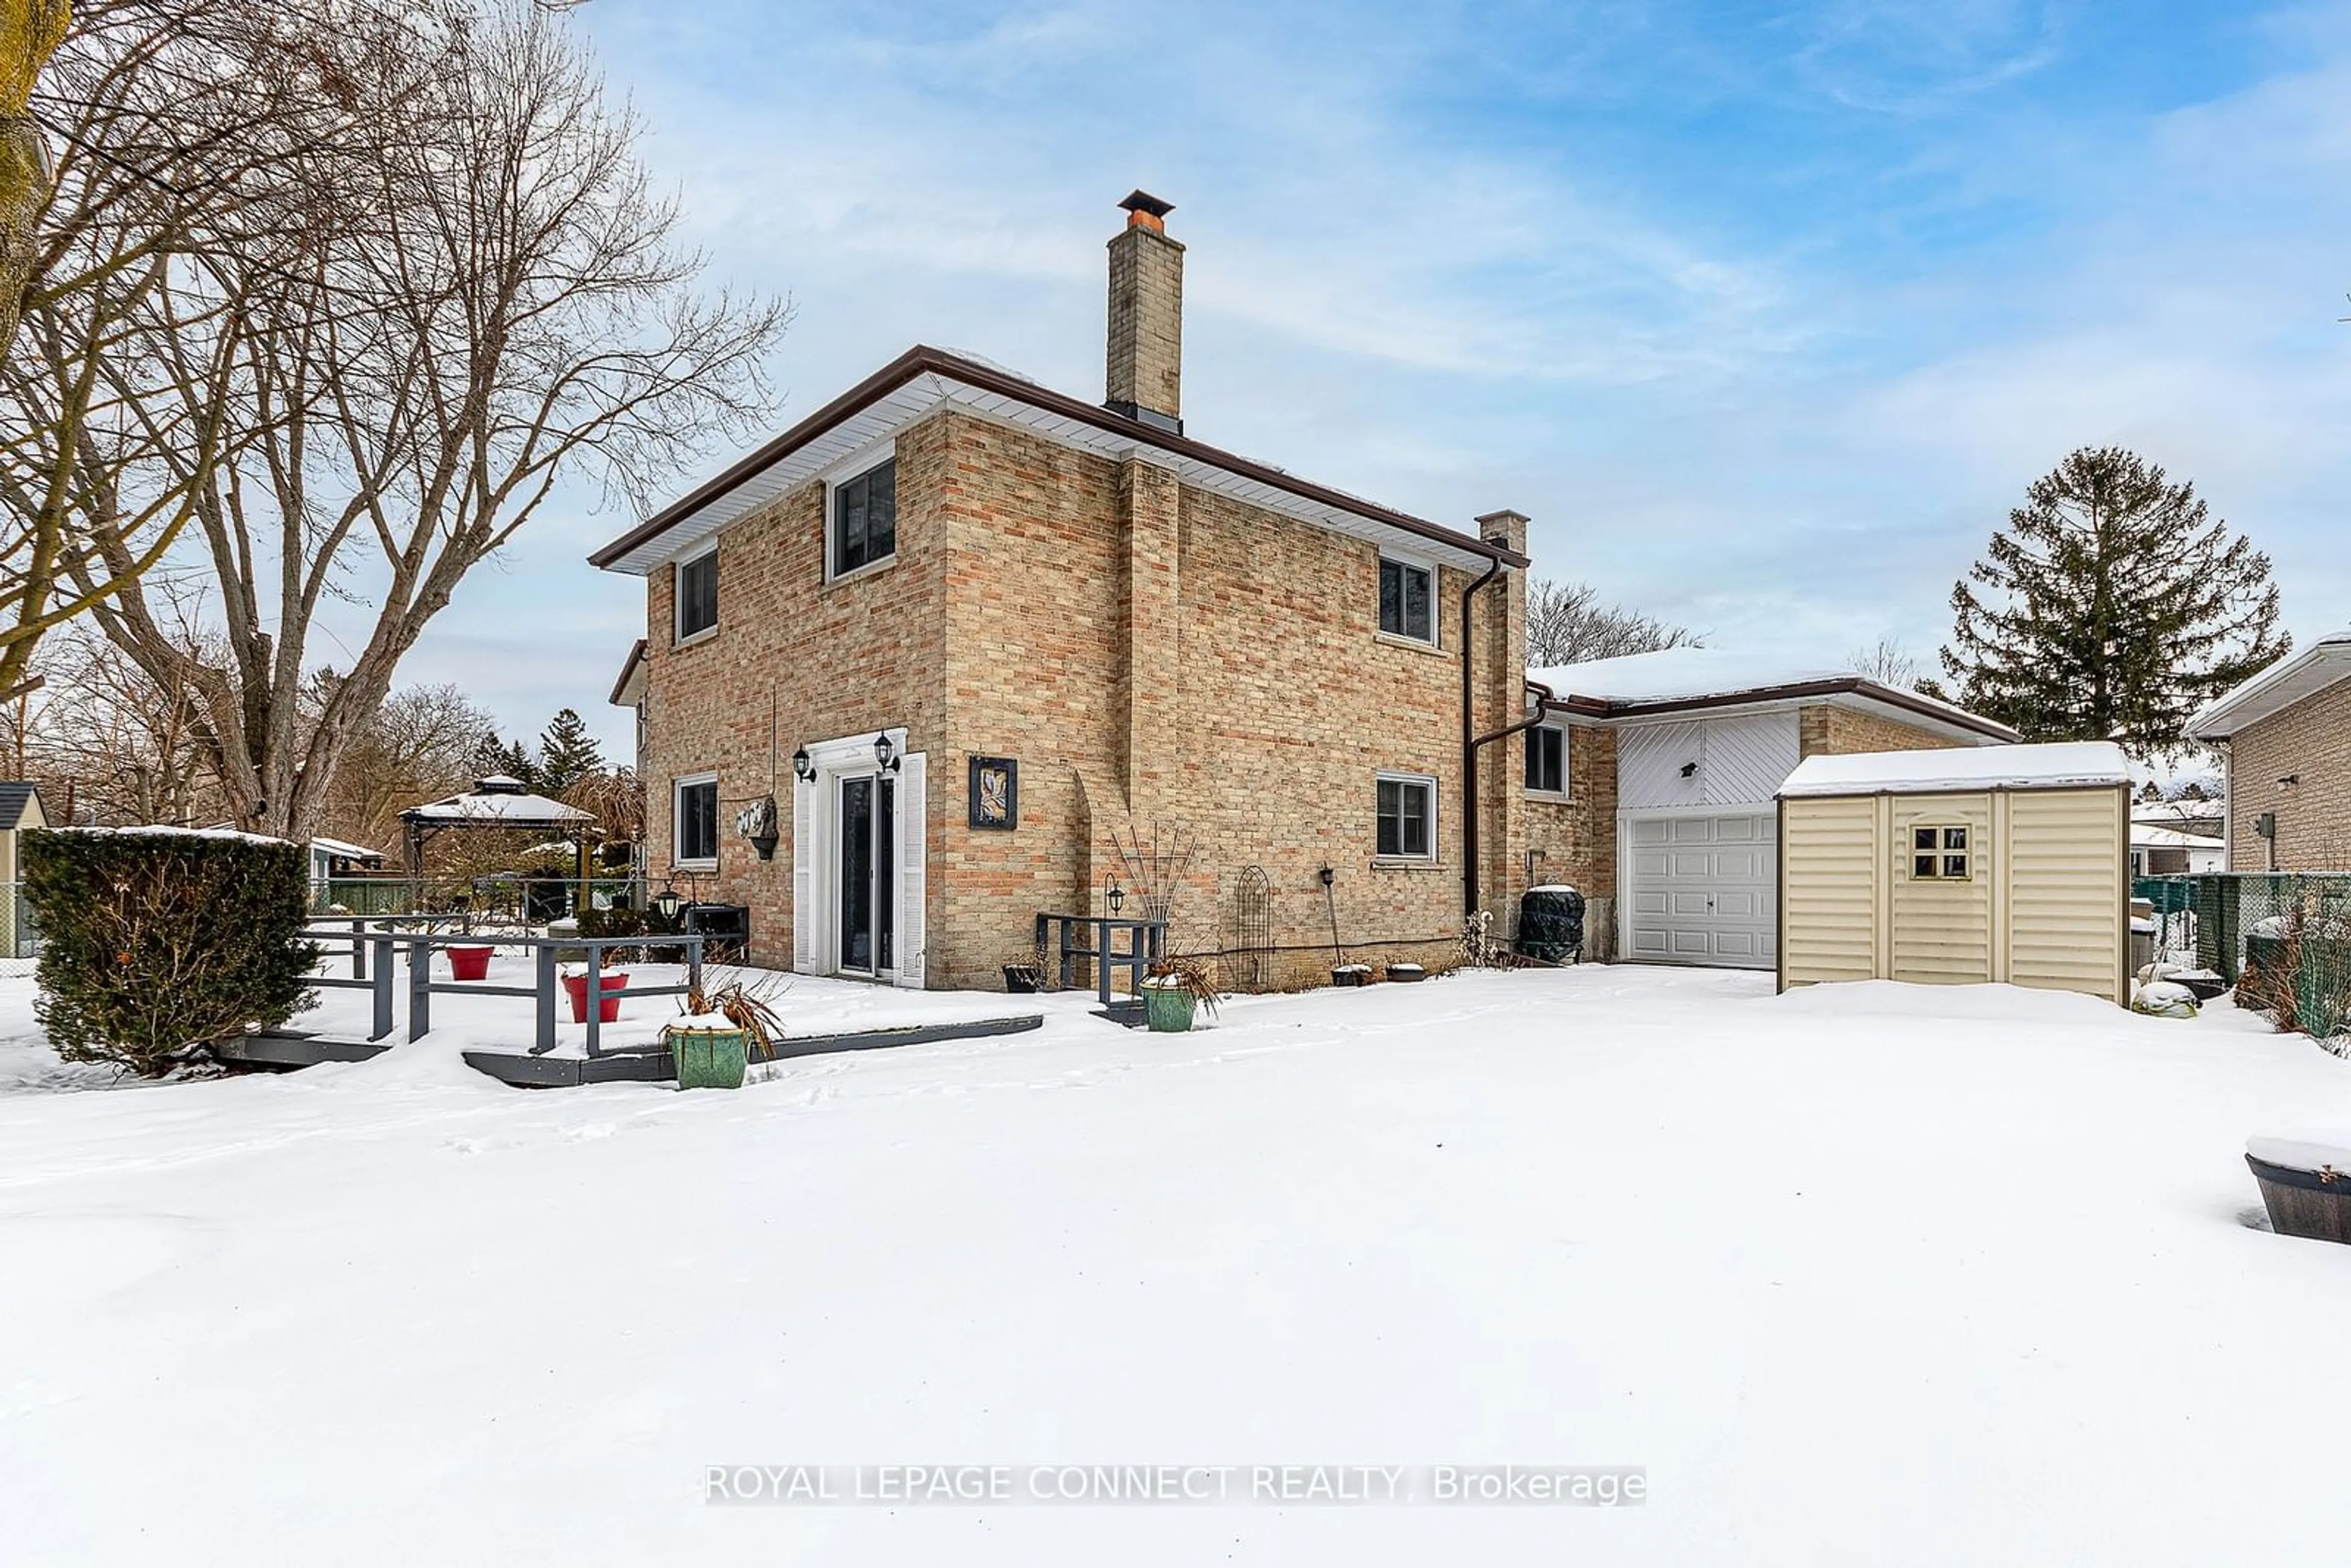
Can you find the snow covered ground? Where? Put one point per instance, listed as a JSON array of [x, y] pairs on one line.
[[1864, 1275]]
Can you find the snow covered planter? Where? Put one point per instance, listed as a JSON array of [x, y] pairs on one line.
[[162, 942], [1351, 975], [1172, 991], [711, 1050], [1406, 974], [575, 986], [2306, 1186]]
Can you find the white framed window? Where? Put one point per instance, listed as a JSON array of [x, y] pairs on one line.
[[697, 595], [1547, 759], [694, 819], [861, 518], [1406, 817], [1941, 852], [1408, 600]]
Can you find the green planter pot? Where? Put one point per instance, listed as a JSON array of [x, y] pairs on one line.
[[709, 1057], [1167, 1010]]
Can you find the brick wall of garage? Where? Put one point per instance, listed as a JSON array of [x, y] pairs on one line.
[[1824, 729]]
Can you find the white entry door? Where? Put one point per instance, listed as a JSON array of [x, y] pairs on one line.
[[1702, 888]]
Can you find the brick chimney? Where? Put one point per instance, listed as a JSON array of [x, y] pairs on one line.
[[1146, 316]]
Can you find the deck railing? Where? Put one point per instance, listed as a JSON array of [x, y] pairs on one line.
[[374, 945]]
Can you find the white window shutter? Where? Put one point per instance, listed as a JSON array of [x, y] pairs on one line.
[[913, 815], [803, 878]]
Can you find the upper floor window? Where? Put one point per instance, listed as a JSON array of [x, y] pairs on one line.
[[865, 518], [1547, 759], [697, 594], [1407, 600], [697, 820], [1407, 817], [1939, 854]]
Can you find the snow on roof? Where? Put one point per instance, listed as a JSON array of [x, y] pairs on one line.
[[488, 807], [2143, 837], [2068, 764], [348, 852], [2280, 685], [1684, 675]]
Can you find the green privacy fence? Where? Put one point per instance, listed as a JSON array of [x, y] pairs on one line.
[[2284, 941], [534, 899], [20, 936]]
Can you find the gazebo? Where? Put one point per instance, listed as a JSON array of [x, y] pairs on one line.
[[498, 804]]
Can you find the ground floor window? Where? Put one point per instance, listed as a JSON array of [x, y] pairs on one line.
[[696, 819], [1407, 816], [1547, 759]]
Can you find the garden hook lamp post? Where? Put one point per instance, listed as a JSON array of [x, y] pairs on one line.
[[1113, 896], [667, 904]]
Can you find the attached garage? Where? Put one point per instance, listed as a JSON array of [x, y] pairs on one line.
[[2002, 864], [1698, 867]]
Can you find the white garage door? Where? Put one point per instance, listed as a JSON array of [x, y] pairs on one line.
[[1701, 889]]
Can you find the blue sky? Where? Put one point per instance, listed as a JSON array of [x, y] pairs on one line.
[[1765, 314]]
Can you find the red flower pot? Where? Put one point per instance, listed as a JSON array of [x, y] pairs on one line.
[[469, 963], [607, 1010]]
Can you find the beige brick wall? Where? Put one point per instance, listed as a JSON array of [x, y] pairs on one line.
[[1260, 705], [1824, 729], [2311, 742]]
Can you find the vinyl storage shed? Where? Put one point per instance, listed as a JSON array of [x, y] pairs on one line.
[[1998, 863]]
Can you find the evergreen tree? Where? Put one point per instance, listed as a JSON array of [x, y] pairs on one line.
[[2114, 608], [491, 755], [567, 753]]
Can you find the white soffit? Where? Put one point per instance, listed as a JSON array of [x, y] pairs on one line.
[[922, 394]]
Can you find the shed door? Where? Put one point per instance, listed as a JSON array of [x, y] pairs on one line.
[[1700, 889]]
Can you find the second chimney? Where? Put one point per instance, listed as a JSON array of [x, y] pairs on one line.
[[1146, 316]]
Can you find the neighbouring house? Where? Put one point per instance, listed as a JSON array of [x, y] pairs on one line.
[[1958, 868], [2204, 817], [20, 807], [2285, 738], [333, 859], [1652, 787], [2167, 852]]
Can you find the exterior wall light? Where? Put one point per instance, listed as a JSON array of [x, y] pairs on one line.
[[886, 756], [1115, 896], [804, 767]]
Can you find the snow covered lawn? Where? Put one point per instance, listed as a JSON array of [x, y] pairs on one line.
[[1869, 1275]]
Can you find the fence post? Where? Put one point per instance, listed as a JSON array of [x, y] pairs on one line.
[[595, 995], [693, 963], [546, 1042], [380, 989], [420, 984]]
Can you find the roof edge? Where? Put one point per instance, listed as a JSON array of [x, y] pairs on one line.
[[923, 360], [2206, 722], [1848, 685]]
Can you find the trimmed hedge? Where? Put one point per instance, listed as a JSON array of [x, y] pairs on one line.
[[157, 944]]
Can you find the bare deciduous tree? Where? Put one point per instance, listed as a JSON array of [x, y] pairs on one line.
[[128, 745], [1887, 662], [418, 747], [30, 31], [469, 294], [1568, 624]]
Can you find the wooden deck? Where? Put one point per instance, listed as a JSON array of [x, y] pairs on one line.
[[638, 1064]]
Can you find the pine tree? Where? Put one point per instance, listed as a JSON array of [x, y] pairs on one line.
[[2115, 609], [493, 756], [567, 753]]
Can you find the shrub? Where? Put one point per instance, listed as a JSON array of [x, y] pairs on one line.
[[158, 943]]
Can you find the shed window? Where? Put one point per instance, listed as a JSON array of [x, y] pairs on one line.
[[1404, 601], [865, 519], [1407, 810], [1940, 854]]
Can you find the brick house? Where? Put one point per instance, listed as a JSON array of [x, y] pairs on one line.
[[2285, 736], [1650, 788], [1067, 621]]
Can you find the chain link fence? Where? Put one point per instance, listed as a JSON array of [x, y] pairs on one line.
[[20, 935], [2282, 941]]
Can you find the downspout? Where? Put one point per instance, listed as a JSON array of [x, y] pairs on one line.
[[1469, 749], [1543, 711]]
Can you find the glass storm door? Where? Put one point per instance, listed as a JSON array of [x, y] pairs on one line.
[[868, 854]]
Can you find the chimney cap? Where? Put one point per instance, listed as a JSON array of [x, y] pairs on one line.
[[1143, 202]]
